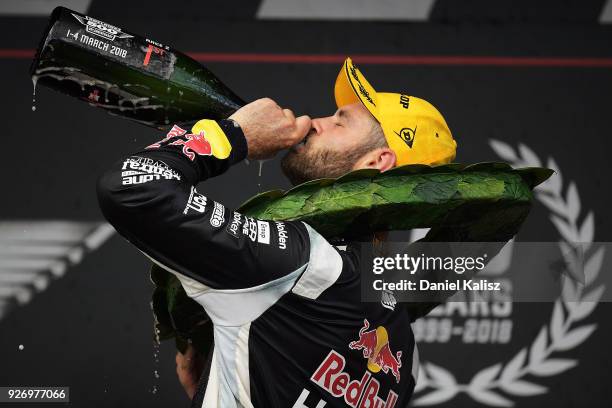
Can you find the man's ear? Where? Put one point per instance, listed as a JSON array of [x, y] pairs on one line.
[[382, 159]]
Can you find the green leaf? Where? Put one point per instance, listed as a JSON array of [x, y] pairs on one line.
[[396, 189], [534, 176], [436, 188], [476, 185], [261, 200]]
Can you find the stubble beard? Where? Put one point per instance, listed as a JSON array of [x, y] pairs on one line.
[[307, 165]]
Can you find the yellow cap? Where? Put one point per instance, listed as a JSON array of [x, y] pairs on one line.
[[415, 130]]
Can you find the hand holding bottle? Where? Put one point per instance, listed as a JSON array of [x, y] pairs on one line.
[[269, 129]]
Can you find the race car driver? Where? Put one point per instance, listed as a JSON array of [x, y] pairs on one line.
[[290, 329]]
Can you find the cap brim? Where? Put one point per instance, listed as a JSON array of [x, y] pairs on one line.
[[352, 87]]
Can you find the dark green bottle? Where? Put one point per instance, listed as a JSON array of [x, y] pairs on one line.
[[127, 75]]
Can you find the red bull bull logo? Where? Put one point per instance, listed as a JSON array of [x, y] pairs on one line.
[[195, 144], [176, 131], [206, 139], [192, 143], [374, 345]]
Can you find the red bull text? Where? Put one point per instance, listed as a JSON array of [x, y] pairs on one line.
[[361, 393]]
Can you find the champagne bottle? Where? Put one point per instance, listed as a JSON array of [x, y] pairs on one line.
[[126, 74]]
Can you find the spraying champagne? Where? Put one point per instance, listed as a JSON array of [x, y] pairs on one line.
[[126, 74]]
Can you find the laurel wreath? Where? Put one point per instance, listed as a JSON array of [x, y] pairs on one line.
[[574, 304]]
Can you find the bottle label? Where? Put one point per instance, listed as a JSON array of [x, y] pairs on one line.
[[100, 28], [111, 42]]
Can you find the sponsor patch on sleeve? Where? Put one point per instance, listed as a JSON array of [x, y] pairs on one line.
[[195, 202], [206, 139], [283, 235], [263, 232], [249, 228], [218, 215], [140, 170], [219, 144], [233, 227]]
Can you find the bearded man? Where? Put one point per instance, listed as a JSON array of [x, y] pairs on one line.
[[290, 329]]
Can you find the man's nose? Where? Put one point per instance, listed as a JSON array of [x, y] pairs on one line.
[[317, 124], [320, 124]]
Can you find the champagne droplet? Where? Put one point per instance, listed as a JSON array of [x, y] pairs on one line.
[[261, 162], [34, 81], [156, 365]]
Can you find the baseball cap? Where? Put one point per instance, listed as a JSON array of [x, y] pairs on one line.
[[414, 129]]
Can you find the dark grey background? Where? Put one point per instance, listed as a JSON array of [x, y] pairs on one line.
[[92, 329]]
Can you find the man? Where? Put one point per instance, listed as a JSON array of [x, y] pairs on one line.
[[290, 329]]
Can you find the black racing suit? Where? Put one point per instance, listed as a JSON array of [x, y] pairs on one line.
[[290, 329]]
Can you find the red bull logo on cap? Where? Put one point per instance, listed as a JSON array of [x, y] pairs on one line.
[[374, 345]]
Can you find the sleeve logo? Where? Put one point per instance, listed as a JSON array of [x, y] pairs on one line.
[[283, 236], [263, 234], [218, 215], [233, 227], [206, 139], [139, 170], [196, 202], [249, 228], [195, 144], [176, 131], [256, 230]]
